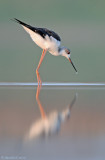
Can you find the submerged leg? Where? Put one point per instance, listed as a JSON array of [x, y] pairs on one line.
[[37, 70]]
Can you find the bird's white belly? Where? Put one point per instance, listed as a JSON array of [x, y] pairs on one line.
[[49, 43], [38, 40]]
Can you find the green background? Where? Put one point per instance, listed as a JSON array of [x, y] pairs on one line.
[[81, 26]]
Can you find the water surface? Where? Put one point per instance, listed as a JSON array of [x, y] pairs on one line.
[[53, 123]]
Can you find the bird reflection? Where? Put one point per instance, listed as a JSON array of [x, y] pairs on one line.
[[48, 124]]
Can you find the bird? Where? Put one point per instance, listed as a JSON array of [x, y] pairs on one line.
[[49, 41]]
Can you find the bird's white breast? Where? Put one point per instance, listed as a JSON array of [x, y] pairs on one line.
[[52, 44]]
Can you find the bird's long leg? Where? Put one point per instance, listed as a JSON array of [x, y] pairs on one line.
[[43, 115], [37, 70]]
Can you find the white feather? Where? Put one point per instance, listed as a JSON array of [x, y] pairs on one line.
[[49, 43], [36, 37]]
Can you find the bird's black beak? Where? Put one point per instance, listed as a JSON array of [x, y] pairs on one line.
[[72, 64]]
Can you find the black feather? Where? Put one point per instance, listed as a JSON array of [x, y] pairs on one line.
[[41, 31]]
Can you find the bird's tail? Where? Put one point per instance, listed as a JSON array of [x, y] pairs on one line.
[[23, 24], [20, 22]]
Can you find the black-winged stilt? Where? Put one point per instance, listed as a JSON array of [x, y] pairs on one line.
[[47, 40]]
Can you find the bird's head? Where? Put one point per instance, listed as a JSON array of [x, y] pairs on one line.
[[66, 53]]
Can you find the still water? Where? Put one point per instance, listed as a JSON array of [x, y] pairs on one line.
[[52, 122]]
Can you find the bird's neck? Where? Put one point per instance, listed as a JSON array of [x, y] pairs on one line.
[[60, 50], [57, 51]]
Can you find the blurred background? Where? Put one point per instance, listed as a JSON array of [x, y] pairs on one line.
[[81, 26]]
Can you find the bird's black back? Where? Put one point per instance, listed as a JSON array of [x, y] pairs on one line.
[[41, 31]]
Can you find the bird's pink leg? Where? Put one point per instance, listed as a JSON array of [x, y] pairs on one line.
[[37, 70]]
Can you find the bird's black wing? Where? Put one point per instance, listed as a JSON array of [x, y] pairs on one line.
[[52, 33], [41, 31]]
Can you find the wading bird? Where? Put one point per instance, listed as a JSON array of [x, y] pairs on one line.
[[47, 40]]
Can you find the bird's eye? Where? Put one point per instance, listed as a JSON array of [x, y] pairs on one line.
[[67, 51]]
